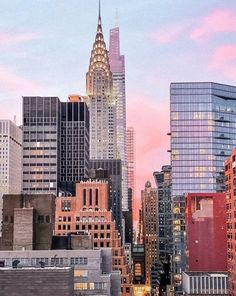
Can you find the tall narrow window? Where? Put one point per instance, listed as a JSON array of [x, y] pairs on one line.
[[84, 197], [96, 198], [90, 197]]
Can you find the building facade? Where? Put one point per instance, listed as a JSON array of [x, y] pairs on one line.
[[74, 150], [88, 211], [206, 232], [203, 118], [113, 167], [55, 144], [28, 221], [10, 160], [117, 66], [92, 270], [149, 212], [130, 151], [230, 177], [100, 100], [164, 212]]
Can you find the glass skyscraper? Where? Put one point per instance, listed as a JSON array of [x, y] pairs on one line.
[[203, 133]]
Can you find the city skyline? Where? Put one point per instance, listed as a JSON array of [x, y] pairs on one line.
[[158, 29]]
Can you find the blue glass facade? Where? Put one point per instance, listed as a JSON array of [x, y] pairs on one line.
[[203, 133]]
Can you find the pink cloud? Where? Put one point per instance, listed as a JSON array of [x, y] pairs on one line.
[[151, 122], [224, 60], [219, 21], [169, 34], [14, 38], [11, 82]]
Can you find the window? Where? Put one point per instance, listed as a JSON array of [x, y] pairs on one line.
[[96, 197], [84, 196], [90, 197], [40, 219]]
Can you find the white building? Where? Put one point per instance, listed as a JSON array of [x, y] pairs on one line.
[[10, 159]]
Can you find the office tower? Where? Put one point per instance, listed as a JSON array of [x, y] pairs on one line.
[[28, 221], [206, 232], [113, 167], [130, 150], [128, 217], [101, 103], [41, 143], [202, 134], [10, 160], [55, 144], [117, 66], [74, 143], [88, 211], [138, 264], [140, 227], [164, 213], [149, 211], [230, 173]]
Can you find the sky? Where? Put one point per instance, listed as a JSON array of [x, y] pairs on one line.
[[45, 47]]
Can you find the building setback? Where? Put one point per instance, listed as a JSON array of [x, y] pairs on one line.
[[203, 120], [10, 160], [88, 211]]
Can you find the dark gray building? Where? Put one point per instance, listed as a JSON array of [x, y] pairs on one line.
[[41, 143], [113, 168], [74, 144], [28, 221], [164, 212], [55, 144], [58, 281]]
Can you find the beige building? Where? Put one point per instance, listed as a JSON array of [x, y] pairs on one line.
[[149, 215]]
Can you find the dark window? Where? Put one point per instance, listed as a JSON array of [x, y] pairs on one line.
[[48, 220], [96, 197], [90, 197], [84, 197], [40, 219]]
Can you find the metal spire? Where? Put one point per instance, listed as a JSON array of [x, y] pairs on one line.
[[99, 12]]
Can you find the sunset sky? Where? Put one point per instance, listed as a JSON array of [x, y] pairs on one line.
[[45, 48]]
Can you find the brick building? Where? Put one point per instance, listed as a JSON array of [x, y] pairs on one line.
[[88, 211]]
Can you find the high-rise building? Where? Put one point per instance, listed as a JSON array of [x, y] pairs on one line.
[[88, 211], [10, 160], [55, 144], [230, 173], [206, 232], [149, 211], [74, 161], [113, 168], [41, 143], [117, 66], [100, 100], [164, 212], [203, 117]]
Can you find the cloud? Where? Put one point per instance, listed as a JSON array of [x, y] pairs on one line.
[[224, 60], [7, 39], [218, 21], [169, 34]]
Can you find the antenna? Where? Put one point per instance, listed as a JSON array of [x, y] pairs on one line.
[[117, 18]]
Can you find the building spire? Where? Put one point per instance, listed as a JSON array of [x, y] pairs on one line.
[[117, 18], [99, 12]]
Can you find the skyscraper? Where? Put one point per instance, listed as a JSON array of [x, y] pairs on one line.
[[149, 211], [101, 102], [74, 163], [55, 144], [41, 144], [10, 160], [203, 120], [164, 214], [117, 65]]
